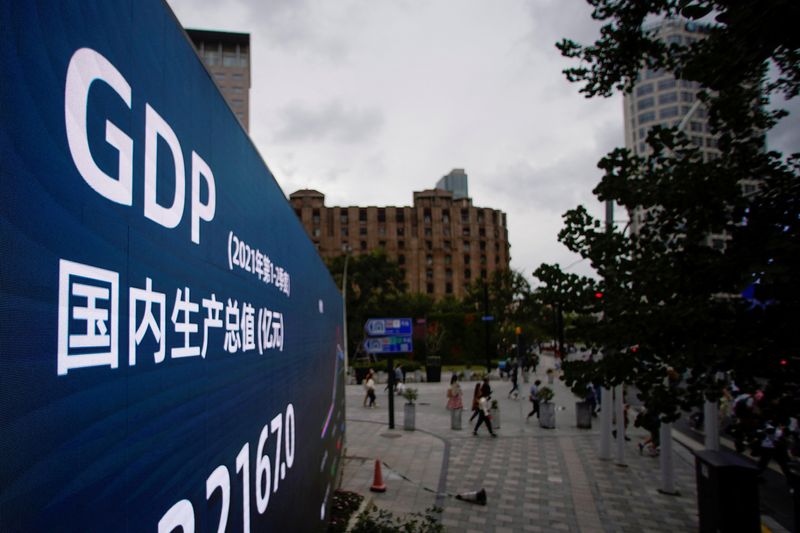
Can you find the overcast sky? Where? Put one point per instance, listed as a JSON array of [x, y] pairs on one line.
[[368, 101]]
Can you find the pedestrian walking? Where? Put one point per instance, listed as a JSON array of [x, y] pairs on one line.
[[534, 399], [483, 416], [476, 396], [486, 389], [454, 400], [591, 398], [773, 446], [367, 378], [370, 385], [514, 376]]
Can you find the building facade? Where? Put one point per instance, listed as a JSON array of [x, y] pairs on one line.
[[659, 99], [227, 57], [442, 244]]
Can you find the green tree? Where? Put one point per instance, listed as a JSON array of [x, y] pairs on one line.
[[684, 304], [570, 303], [375, 287]]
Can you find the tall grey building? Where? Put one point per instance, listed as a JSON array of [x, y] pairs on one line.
[[227, 57], [659, 99], [456, 183]]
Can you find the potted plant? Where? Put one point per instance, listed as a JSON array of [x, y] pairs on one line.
[[547, 409], [409, 409], [494, 411]]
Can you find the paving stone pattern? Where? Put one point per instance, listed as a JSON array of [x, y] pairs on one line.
[[536, 480]]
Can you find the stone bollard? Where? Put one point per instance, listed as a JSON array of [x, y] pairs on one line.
[[455, 418]]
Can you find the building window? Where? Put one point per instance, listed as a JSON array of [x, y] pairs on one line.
[[467, 273], [362, 215], [401, 244], [668, 98], [644, 89], [445, 216], [429, 274], [465, 231], [668, 83], [363, 245], [448, 288], [299, 213], [465, 216], [426, 216], [466, 258], [401, 259], [401, 231], [448, 259], [428, 232], [429, 260], [483, 246], [315, 216], [400, 217], [316, 232], [362, 230], [466, 246], [668, 112], [382, 244], [645, 103], [448, 274], [696, 126], [483, 259], [381, 230], [343, 218], [381, 215], [344, 232], [482, 232], [447, 245], [483, 273], [480, 216], [647, 117], [429, 288], [446, 231], [428, 245]]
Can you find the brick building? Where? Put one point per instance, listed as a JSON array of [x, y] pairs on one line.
[[442, 244]]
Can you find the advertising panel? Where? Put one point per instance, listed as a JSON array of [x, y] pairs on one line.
[[170, 341]]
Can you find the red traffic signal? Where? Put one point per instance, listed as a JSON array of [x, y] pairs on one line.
[[598, 295]]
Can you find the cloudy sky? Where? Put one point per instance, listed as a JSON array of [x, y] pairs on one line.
[[368, 101]]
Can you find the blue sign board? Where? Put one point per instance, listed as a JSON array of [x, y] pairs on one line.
[[393, 344], [487, 318], [388, 326], [161, 306]]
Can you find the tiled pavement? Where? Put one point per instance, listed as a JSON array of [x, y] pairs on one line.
[[535, 479]]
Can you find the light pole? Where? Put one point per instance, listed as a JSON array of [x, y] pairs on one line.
[[346, 249]]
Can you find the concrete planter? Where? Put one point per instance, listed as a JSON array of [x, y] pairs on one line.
[[583, 415], [547, 415], [495, 413], [409, 412], [455, 418]]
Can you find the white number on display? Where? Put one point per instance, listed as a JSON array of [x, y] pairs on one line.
[[180, 517]]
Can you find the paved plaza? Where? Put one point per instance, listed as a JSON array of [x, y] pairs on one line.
[[536, 479]]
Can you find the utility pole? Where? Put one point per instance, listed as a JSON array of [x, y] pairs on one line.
[[486, 326], [606, 398]]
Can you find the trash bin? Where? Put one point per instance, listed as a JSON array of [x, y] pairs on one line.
[[433, 369], [727, 493], [583, 415]]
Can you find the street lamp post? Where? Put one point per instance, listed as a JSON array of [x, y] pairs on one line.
[[346, 250]]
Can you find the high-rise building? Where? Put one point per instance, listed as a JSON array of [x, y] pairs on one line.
[[227, 57], [456, 183], [441, 243], [659, 99]]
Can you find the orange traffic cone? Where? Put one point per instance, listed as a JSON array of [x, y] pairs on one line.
[[377, 482]]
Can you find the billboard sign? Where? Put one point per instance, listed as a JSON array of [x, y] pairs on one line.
[[161, 307]]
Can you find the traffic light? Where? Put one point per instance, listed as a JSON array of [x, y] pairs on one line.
[[598, 295]]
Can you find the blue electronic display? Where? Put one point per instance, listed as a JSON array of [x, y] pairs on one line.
[[169, 338]]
